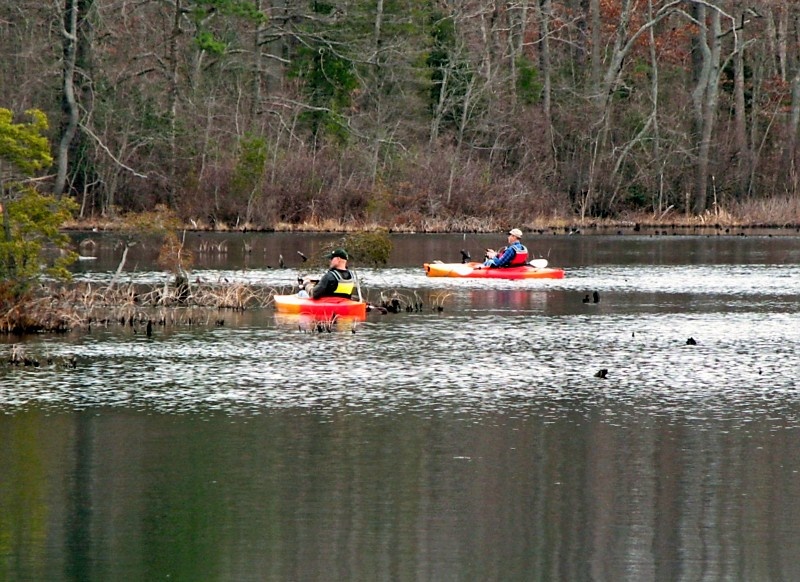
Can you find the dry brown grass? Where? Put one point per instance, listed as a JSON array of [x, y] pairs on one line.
[[61, 309], [782, 212], [779, 211]]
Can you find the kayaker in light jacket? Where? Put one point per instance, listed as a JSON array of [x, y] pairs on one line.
[[513, 255], [338, 281]]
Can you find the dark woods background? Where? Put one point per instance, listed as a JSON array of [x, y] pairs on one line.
[[425, 114]]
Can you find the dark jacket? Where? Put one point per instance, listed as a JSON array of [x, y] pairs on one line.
[[335, 283]]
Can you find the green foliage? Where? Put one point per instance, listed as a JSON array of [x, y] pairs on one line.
[[443, 34], [368, 248], [529, 87], [322, 7], [622, 93], [160, 224], [156, 222], [448, 71], [443, 37], [637, 197], [642, 69], [631, 122], [249, 166], [329, 81], [22, 144], [206, 41], [203, 11], [245, 9], [31, 225], [30, 220]]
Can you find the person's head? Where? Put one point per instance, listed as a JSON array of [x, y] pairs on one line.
[[514, 235], [338, 258]]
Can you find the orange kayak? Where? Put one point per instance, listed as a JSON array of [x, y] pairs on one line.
[[471, 270], [325, 307]]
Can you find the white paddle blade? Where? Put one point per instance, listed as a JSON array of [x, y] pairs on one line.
[[538, 263], [462, 270]]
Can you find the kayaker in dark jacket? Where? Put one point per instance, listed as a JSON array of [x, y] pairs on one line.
[[513, 255], [338, 281]]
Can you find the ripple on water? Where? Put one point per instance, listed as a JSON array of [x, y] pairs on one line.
[[499, 345], [697, 279], [740, 367]]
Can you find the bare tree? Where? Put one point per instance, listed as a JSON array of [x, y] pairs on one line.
[[705, 96], [68, 99], [624, 42]]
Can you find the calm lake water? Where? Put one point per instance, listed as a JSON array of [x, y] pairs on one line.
[[472, 443]]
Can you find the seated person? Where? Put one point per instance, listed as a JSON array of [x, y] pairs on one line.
[[338, 281], [514, 255]]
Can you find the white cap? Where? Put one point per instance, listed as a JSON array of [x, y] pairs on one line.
[[515, 232]]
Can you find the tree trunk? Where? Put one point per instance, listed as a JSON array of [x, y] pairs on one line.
[[701, 62], [740, 120], [377, 60], [545, 7], [783, 39], [705, 98], [602, 94], [376, 47], [128, 245], [650, 129], [11, 267], [594, 10], [441, 104], [602, 97], [462, 125], [772, 41], [257, 67], [173, 103], [789, 165], [276, 44], [69, 105], [517, 25]]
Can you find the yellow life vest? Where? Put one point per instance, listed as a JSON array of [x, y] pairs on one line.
[[344, 287]]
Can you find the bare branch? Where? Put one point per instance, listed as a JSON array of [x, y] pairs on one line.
[[110, 155]]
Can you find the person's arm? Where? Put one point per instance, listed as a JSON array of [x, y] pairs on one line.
[[490, 259], [308, 284], [506, 257], [322, 288]]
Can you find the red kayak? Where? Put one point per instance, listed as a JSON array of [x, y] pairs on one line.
[[537, 269], [325, 307]]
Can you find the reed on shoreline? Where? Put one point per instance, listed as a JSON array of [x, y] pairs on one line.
[[65, 307], [776, 212]]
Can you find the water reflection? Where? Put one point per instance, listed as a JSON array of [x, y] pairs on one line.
[[294, 495], [471, 442], [510, 299], [314, 324]]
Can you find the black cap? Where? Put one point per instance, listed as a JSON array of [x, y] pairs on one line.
[[341, 253]]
